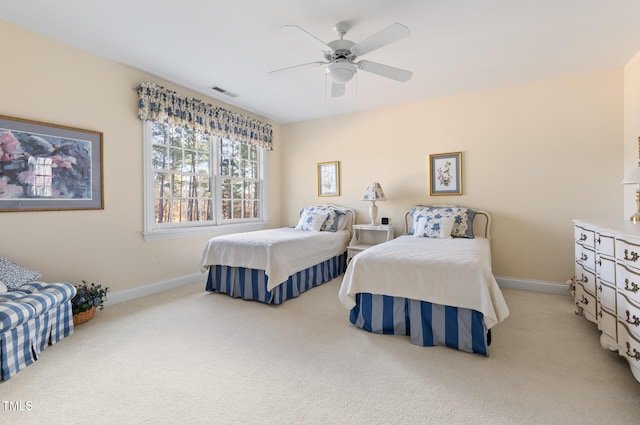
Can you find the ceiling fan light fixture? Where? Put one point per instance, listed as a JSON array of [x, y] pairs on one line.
[[341, 72]]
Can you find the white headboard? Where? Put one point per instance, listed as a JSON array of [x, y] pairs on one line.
[[481, 226]]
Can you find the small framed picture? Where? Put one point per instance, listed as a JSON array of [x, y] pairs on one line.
[[445, 171], [329, 178]]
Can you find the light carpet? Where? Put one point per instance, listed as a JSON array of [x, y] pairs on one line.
[[188, 357]]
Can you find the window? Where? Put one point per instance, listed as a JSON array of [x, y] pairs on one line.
[[194, 181]]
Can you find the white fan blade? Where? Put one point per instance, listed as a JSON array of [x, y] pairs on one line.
[[337, 89], [386, 36], [282, 71], [294, 28], [385, 71]]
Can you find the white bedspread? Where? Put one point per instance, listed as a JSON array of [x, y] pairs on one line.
[[454, 272], [279, 252]]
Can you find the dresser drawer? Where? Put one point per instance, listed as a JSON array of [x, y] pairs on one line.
[[627, 253], [607, 297], [607, 324], [605, 245], [629, 345], [629, 314], [586, 258], [606, 270], [585, 303], [628, 283], [586, 278], [585, 237]]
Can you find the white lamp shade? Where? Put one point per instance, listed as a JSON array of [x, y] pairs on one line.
[[632, 176], [373, 193], [341, 72]]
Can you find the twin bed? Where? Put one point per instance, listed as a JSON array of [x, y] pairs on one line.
[[434, 283], [274, 265], [435, 288]]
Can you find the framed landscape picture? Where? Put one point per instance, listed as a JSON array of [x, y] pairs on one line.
[[46, 167], [445, 174]]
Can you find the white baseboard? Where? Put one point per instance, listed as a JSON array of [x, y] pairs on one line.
[[154, 288], [533, 285]]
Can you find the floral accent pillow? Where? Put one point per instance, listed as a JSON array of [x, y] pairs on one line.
[[440, 228], [462, 217], [311, 220], [13, 275], [332, 216]]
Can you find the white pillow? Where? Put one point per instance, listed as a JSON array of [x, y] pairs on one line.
[[311, 220], [441, 228], [3, 288]]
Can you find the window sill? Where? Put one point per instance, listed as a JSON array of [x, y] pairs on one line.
[[223, 229]]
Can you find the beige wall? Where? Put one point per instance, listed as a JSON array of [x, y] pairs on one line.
[[46, 81], [631, 128], [535, 156]]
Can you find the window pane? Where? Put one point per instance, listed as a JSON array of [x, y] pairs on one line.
[[175, 159], [226, 210], [176, 185], [162, 210], [253, 190], [159, 156], [203, 163], [237, 190], [225, 169], [247, 209], [235, 168], [162, 184], [203, 187], [190, 161], [237, 209]]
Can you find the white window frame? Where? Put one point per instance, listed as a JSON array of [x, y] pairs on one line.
[[154, 231]]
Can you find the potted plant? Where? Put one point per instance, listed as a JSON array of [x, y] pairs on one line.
[[87, 299]]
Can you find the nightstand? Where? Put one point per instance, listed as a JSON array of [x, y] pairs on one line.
[[366, 236]]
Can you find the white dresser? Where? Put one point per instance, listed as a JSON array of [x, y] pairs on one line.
[[607, 274]]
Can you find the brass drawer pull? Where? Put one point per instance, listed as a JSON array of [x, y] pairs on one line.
[[600, 288], [633, 288], [584, 257], [635, 354], [584, 279], [583, 237], [599, 262], [636, 320], [633, 257], [598, 239], [584, 300]]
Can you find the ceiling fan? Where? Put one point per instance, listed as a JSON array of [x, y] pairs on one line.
[[340, 55]]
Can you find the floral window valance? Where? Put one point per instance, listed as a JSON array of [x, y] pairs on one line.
[[156, 103]]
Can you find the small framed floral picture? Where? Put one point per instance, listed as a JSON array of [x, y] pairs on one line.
[[329, 178], [445, 171]]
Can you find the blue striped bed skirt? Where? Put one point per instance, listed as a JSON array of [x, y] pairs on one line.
[[251, 284], [426, 323]]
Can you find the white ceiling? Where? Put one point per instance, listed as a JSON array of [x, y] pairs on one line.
[[455, 46]]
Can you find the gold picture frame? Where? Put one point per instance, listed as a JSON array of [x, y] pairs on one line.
[[445, 174], [329, 178]]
